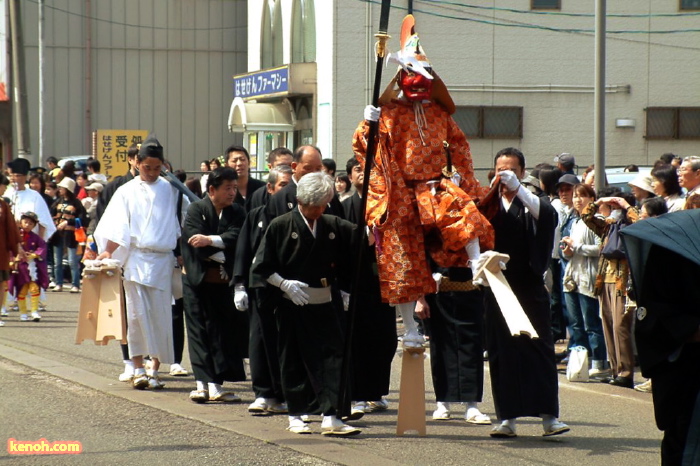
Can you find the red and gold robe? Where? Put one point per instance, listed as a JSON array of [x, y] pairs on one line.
[[406, 217]]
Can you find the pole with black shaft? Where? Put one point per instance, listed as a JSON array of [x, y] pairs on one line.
[[360, 235]]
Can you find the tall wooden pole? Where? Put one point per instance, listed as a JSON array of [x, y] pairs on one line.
[[19, 92]]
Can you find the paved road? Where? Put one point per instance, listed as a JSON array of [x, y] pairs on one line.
[[51, 388]]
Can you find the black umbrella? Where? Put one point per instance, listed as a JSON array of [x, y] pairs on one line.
[[678, 232]]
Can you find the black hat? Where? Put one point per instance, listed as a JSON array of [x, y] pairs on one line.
[[30, 215], [151, 147], [567, 179], [19, 166]]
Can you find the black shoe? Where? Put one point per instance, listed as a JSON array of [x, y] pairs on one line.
[[625, 382], [606, 379]]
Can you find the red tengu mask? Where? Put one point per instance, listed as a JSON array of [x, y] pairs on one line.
[[415, 86]]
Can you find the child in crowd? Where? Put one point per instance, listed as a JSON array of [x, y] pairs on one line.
[[30, 272]]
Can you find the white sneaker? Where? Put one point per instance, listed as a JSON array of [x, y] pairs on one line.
[[3, 312], [2, 324], [442, 413], [176, 370], [23, 318], [35, 316]]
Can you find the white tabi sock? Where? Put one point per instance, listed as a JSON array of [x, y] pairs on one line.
[[201, 386], [214, 389]]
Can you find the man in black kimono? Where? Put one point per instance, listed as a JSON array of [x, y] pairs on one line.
[[455, 316], [523, 370], [208, 245], [306, 159], [276, 157], [375, 321], [262, 341], [302, 254], [664, 259]]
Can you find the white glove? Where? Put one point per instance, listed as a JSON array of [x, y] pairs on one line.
[[293, 289], [240, 298], [479, 263], [218, 257], [372, 113], [346, 300], [223, 274], [509, 179]]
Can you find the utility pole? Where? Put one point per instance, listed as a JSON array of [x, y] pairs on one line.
[[41, 81], [599, 96], [19, 93]]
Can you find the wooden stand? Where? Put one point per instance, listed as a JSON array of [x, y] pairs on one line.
[[411, 416], [101, 315]]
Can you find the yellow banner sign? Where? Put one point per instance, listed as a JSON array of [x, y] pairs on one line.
[[112, 148]]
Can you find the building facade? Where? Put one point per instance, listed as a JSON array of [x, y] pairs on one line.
[[157, 65], [520, 71]]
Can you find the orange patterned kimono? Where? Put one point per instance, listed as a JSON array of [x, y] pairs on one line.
[[408, 219]]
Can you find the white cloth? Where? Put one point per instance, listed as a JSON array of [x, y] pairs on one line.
[[149, 321], [141, 218], [29, 200]]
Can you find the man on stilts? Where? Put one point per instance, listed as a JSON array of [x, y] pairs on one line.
[[422, 191]]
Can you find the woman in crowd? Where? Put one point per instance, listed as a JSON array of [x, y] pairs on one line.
[[205, 168], [82, 181], [37, 183], [65, 211], [611, 285], [665, 185], [342, 187], [642, 188], [582, 247]]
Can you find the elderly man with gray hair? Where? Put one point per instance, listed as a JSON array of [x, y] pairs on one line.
[[302, 255]]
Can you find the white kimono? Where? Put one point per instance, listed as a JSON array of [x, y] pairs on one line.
[[141, 218], [29, 200]]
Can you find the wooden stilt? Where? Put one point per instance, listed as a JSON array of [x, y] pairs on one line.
[[411, 416]]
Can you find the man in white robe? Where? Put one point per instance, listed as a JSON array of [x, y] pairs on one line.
[[140, 229], [24, 199]]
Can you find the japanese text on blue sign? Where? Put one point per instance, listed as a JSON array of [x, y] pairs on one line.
[[261, 83]]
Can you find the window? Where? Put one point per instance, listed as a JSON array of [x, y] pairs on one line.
[[546, 4], [271, 40], [690, 4], [303, 32], [490, 122], [673, 123]]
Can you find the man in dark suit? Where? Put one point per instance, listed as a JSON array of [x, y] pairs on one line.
[[238, 159], [306, 159], [208, 245]]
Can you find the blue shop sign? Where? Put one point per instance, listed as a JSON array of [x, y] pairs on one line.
[[261, 83]]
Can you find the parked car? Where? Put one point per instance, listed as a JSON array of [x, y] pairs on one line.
[[80, 162], [618, 177]]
